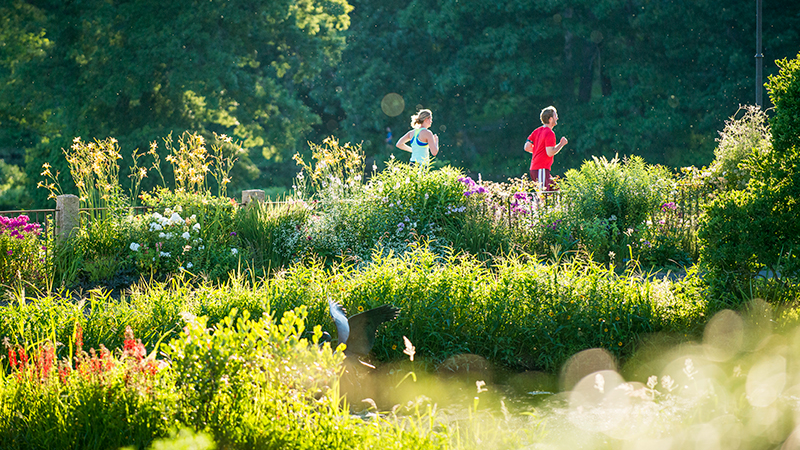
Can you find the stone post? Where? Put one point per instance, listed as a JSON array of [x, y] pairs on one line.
[[68, 215], [253, 195]]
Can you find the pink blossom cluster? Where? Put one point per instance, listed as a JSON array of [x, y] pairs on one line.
[[19, 226]]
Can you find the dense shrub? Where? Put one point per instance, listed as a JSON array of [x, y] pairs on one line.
[[184, 231], [247, 383], [398, 205], [23, 252], [274, 234], [608, 203], [742, 138], [518, 313], [746, 232], [784, 91]]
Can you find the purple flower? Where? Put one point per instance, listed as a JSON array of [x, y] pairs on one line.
[[233, 233], [10, 252]]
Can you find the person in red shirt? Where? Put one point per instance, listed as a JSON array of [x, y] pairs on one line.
[[541, 144]]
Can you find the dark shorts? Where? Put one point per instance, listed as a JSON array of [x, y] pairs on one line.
[[543, 179]]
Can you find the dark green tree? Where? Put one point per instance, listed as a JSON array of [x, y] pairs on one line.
[[655, 79], [138, 70]]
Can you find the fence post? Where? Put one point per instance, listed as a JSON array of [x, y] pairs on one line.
[[68, 215], [253, 195]]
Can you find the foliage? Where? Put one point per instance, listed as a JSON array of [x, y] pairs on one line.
[[191, 231], [95, 399], [335, 174], [757, 229], [741, 139], [517, 313], [124, 71], [248, 384], [13, 190], [273, 233], [784, 91], [23, 252], [486, 70], [398, 205], [608, 203]]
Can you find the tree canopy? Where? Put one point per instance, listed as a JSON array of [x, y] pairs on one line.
[[647, 77]]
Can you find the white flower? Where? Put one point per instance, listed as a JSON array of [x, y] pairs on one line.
[[157, 216], [234, 251], [374, 167], [162, 235], [186, 235], [193, 217], [189, 265], [134, 246], [202, 247], [169, 235], [175, 219], [391, 156], [165, 254], [196, 227], [155, 227]]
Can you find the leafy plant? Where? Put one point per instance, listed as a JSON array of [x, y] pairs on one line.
[[742, 138], [23, 252], [610, 201], [273, 233]]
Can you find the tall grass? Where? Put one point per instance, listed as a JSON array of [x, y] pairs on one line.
[[521, 314]]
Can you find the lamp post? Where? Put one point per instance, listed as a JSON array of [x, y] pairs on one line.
[[759, 56]]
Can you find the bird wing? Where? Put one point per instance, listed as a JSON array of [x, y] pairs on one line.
[[363, 327], [340, 319]]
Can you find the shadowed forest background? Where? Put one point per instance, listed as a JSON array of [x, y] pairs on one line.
[[642, 77]]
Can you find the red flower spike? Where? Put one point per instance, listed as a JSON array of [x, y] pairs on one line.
[[79, 337], [12, 357]]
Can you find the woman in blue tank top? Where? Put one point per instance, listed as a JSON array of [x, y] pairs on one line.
[[424, 144]]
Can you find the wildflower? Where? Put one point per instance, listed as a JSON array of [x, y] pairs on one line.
[[189, 265], [233, 233], [165, 254], [134, 246], [234, 251], [186, 235], [10, 252], [155, 227]]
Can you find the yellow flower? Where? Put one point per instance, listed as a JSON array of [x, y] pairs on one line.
[[394, 347], [620, 344], [360, 308]]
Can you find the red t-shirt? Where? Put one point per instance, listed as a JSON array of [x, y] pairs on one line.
[[542, 138]]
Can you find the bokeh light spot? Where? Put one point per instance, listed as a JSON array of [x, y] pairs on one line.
[[393, 104]]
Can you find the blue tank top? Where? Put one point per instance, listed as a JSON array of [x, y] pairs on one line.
[[419, 149]]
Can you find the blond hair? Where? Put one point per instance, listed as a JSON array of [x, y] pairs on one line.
[[420, 117]]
